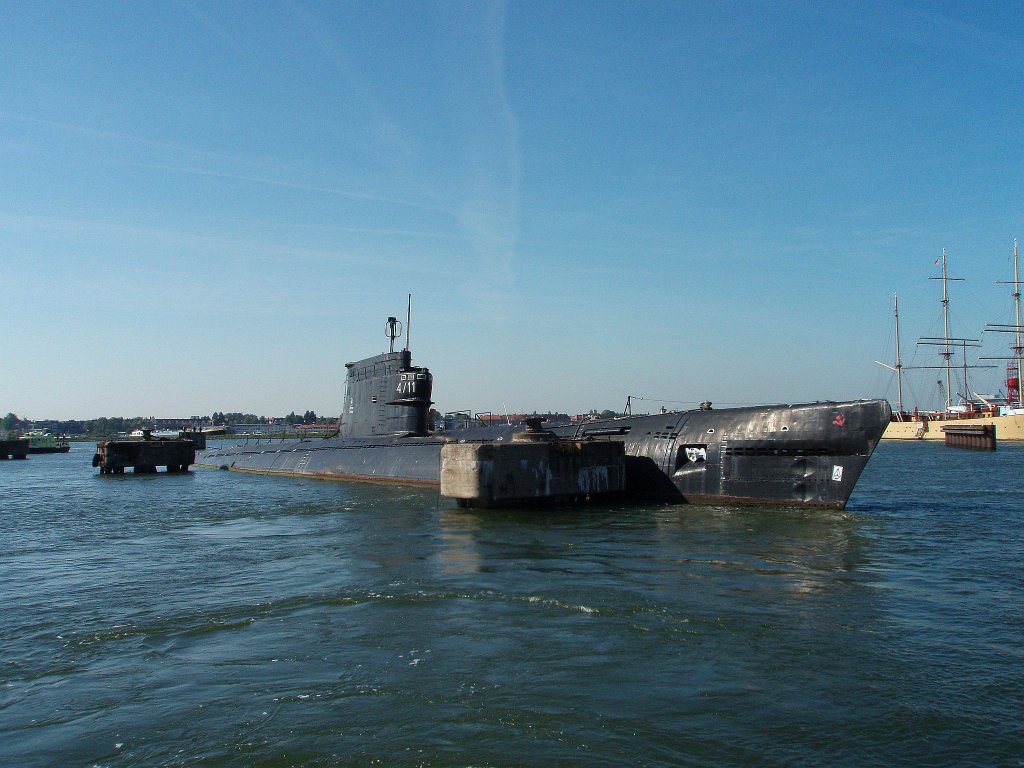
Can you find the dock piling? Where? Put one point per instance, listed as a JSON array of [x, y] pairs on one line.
[[975, 437]]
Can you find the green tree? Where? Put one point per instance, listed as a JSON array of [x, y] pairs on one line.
[[9, 422]]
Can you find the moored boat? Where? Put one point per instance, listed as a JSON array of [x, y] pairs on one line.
[[43, 441], [807, 454], [929, 425], [1005, 413]]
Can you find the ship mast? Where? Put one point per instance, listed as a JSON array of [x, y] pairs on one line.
[[899, 362], [1014, 329], [1016, 301], [945, 319], [946, 352]]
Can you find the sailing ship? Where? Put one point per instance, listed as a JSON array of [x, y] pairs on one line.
[[808, 454], [1006, 413]]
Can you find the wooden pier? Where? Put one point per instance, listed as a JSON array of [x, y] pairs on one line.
[[976, 437]]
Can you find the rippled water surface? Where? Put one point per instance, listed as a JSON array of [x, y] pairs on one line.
[[221, 619]]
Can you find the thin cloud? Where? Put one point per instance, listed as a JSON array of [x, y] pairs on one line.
[[114, 136], [293, 185]]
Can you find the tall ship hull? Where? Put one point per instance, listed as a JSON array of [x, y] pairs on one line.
[[1009, 426], [811, 454]]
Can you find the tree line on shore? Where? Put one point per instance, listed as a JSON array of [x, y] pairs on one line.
[[106, 426], [110, 426]]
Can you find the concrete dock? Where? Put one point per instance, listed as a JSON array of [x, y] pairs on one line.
[[535, 468], [145, 455]]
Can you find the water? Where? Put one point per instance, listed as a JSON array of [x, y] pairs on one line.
[[222, 619]]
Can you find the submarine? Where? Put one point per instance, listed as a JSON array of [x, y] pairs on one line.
[[809, 454]]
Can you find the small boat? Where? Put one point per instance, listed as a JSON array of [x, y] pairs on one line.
[[43, 441]]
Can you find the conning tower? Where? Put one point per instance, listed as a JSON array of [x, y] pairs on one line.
[[386, 394]]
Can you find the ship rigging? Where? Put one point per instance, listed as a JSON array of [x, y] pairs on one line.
[[1007, 413]]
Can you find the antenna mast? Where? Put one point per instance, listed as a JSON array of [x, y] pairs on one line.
[[394, 330], [408, 323]]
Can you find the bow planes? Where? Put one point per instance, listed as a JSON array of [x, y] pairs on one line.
[[807, 454]]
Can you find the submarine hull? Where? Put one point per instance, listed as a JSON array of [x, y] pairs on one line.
[[810, 454]]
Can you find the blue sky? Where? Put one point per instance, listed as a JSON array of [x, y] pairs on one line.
[[214, 206]]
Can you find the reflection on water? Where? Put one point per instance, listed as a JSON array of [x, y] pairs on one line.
[[458, 554], [800, 550]]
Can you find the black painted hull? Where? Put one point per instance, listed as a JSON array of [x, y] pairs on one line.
[[809, 454]]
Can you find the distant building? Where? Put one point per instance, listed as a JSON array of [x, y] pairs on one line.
[[316, 430], [254, 429], [463, 419], [171, 423]]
